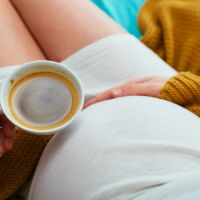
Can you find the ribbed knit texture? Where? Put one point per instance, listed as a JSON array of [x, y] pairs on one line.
[[17, 164], [183, 89], [172, 30]]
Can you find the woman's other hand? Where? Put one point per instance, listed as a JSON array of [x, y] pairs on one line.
[[149, 86], [7, 134]]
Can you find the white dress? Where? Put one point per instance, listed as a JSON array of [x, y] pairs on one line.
[[139, 148]]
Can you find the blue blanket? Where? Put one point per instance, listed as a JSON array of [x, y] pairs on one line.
[[124, 12]]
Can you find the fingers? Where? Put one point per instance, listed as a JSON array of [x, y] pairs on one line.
[[7, 135], [127, 89], [7, 143], [105, 95], [9, 129], [148, 86]]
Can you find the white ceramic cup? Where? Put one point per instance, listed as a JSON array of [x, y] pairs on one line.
[[34, 67]]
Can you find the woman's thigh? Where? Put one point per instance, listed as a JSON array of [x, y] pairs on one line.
[[16, 44], [16, 47], [103, 54], [118, 149], [62, 27]]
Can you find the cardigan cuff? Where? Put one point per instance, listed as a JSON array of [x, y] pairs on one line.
[[182, 89]]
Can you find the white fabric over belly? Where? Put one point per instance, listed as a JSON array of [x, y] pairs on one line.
[[118, 149], [122, 148]]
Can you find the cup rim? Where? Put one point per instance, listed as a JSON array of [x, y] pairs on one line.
[[32, 64]]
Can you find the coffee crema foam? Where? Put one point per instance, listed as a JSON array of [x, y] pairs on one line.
[[43, 100]]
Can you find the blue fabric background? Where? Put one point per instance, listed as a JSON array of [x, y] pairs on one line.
[[124, 12]]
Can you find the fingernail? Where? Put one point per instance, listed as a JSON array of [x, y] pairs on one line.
[[116, 91]]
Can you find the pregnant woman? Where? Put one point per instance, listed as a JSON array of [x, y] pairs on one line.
[[133, 147]]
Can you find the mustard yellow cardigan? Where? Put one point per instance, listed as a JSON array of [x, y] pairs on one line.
[[171, 29]]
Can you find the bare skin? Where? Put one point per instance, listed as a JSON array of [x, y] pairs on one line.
[[58, 30], [54, 30], [16, 44], [148, 86], [16, 47], [62, 27]]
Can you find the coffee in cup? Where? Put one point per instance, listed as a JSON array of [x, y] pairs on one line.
[[42, 96], [43, 100]]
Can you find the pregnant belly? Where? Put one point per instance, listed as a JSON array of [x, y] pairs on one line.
[[118, 148]]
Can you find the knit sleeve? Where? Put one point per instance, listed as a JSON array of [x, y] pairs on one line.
[[183, 89]]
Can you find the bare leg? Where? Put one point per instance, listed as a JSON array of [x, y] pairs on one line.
[[62, 27], [16, 44], [16, 47]]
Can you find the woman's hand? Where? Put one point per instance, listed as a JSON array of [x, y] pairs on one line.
[[149, 86], [7, 134]]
